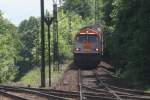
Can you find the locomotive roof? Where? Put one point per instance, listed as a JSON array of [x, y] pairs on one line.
[[93, 27]]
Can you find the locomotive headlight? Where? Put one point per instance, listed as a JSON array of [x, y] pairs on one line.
[[77, 49], [97, 49]]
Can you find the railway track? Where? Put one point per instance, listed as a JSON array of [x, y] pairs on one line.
[[122, 93], [44, 94], [8, 95], [92, 94], [100, 82], [92, 85], [48, 93], [105, 91]]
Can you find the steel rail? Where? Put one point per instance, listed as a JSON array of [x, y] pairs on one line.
[[121, 94], [38, 89], [34, 93], [129, 90], [11, 96], [94, 89], [106, 87], [67, 94], [130, 94], [127, 93], [105, 91], [135, 97], [92, 95], [58, 93], [80, 84]]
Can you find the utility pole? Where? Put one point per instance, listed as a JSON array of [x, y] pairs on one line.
[[69, 22], [96, 11], [70, 27], [48, 21], [42, 46], [55, 34]]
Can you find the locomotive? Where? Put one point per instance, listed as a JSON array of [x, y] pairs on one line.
[[89, 46]]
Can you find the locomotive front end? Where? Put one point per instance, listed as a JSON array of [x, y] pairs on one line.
[[88, 47]]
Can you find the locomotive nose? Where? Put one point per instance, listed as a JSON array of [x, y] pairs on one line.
[[87, 46]]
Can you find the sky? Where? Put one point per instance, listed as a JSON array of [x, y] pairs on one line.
[[18, 10]]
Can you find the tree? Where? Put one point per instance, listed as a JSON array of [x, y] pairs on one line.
[[8, 70], [128, 41], [81, 7], [28, 32]]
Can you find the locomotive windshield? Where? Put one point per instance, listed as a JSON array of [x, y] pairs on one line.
[[92, 38], [89, 38], [82, 38]]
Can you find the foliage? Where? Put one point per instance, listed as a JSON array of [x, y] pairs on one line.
[[81, 7], [28, 32], [8, 69], [32, 77], [128, 41]]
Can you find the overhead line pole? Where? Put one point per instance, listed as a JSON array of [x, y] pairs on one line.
[[69, 23], [48, 21], [95, 11], [69, 20], [42, 46], [55, 34]]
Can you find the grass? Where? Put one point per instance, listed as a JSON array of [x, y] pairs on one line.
[[148, 90], [33, 77]]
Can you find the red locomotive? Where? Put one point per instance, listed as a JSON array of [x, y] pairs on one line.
[[88, 48]]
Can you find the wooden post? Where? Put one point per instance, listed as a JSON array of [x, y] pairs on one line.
[[42, 46]]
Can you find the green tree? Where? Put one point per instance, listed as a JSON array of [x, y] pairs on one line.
[[128, 39], [81, 7], [28, 32], [8, 70]]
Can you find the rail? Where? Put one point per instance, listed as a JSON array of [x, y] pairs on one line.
[[107, 87], [11, 96], [80, 84]]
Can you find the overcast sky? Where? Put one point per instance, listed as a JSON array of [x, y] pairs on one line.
[[18, 10]]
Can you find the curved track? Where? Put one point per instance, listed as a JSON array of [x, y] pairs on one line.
[[96, 88], [94, 84], [44, 94], [91, 93]]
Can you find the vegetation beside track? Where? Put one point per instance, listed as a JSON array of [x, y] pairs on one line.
[[127, 36], [148, 90], [32, 77]]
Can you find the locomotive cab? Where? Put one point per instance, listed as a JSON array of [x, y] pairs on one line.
[[88, 47]]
